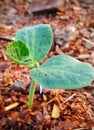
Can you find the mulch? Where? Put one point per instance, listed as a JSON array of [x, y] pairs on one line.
[[73, 35]]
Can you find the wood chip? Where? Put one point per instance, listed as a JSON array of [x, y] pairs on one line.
[[7, 38], [83, 56], [0, 98], [88, 44], [44, 98], [4, 55], [47, 6], [11, 106], [55, 111]]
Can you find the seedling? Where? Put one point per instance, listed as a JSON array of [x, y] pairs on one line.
[[31, 46]]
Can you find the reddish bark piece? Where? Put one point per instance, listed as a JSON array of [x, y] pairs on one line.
[[92, 23], [13, 115], [2, 105], [24, 115], [3, 65], [39, 118], [66, 125], [0, 98], [23, 99], [47, 5], [3, 122]]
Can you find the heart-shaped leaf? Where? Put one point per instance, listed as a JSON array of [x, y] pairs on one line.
[[63, 72], [38, 38], [19, 52]]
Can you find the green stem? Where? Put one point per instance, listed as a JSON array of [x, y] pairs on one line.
[[31, 93], [32, 88]]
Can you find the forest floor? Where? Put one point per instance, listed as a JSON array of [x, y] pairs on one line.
[[73, 35]]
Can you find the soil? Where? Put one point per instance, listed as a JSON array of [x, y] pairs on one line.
[[73, 35]]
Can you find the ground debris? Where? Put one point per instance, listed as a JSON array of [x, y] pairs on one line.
[[47, 6], [55, 112], [73, 35]]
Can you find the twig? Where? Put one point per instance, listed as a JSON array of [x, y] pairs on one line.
[[92, 29], [54, 99], [89, 42], [4, 55], [0, 98], [68, 99], [81, 129], [83, 56], [92, 33], [12, 106], [7, 38]]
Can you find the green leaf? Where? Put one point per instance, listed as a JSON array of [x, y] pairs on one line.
[[38, 38], [63, 72], [19, 52]]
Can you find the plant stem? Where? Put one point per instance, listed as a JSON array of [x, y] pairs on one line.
[[32, 88], [31, 93]]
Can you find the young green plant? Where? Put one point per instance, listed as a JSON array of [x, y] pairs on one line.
[[31, 46]]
